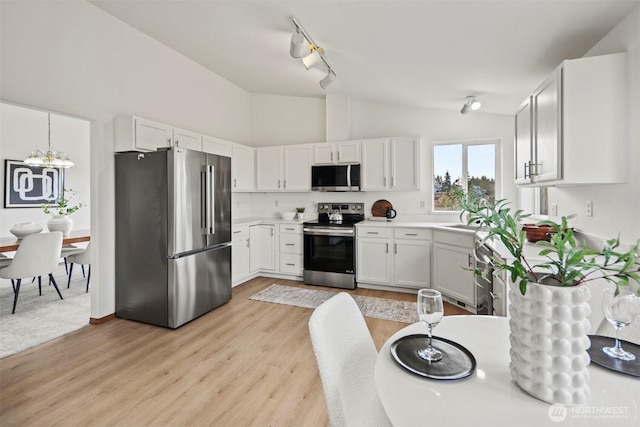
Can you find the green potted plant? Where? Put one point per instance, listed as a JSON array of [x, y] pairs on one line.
[[300, 212], [61, 211], [548, 298]]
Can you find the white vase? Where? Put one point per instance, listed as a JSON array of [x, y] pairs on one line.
[[61, 223], [549, 340], [300, 216]]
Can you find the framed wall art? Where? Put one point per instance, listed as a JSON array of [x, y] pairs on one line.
[[31, 186]]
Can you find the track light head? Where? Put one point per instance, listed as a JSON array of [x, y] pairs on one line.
[[297, 44], [328, 79], [472, 103], [313, 58]]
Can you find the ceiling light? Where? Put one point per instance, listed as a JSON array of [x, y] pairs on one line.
[[313, 58], [316, 55], [472, 103], [328, 79], [297, 44], [50, 158]]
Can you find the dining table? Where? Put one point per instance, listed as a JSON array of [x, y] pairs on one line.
[[489, 397], [10, 244]]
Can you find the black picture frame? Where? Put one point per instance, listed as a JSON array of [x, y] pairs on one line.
[[25, 186]]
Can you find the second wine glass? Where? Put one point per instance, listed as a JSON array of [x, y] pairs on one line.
[[430, 312], [620, 307]]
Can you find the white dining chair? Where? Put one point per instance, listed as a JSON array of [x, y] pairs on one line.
[[67, 251], [83, 258], [37, 256], [346, 357]]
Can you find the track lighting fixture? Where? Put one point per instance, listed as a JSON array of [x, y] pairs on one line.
[[297, 44], [472, 103], [314, 58], [328, 79]]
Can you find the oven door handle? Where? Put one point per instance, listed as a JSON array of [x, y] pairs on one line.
[[320, 231]]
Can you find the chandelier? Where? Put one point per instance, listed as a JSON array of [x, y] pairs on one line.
[[49, 158]]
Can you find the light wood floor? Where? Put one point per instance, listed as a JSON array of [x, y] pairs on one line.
[[247, 363]]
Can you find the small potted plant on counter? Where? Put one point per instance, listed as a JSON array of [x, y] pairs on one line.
[[300, 212], [548, 298], [61, 211]]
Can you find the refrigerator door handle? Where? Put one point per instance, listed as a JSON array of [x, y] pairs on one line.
[[210, 199], [203, 201]]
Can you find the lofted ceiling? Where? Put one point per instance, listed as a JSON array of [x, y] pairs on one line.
[[430, 53]]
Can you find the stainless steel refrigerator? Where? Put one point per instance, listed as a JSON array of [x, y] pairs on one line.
[[173, 235]]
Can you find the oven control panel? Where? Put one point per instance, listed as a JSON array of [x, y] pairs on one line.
[[344, 208]]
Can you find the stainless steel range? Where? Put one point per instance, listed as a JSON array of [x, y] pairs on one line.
[[329, 249]]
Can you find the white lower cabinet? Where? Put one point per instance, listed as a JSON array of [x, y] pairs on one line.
[[453, 264], [262, 247], [290, 249], [240, 254], [398, 257]]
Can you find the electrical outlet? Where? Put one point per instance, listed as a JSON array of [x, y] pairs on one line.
[[422, 204], [553, 211], [589, 208]]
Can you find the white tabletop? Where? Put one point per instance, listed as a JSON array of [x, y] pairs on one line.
[[489, 397]]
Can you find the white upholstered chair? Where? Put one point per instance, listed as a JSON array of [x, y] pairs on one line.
[[346, 357], [37, 256], [83, 258]]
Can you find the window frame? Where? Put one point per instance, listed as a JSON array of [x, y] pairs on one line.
[[497, 142]]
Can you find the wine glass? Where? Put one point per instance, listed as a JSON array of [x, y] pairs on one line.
[[620, 307], [430, 312]]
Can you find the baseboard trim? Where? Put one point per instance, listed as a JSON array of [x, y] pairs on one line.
[[99, 320]]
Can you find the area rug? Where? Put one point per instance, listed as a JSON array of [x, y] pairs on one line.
[[39, 319], [377, 308]]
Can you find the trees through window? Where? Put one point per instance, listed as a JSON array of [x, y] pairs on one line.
[[463, 168]]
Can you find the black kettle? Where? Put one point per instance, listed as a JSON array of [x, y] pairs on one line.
[[391, 213]]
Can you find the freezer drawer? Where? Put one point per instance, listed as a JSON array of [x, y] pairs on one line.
[[198, 283]]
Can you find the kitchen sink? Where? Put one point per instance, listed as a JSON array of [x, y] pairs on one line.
[[462, 227]]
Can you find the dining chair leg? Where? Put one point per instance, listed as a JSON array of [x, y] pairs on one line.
[[83, 275], [69, 273], [13, 285], [15, 295], [55, 285], [40, 285], [88, 278], [66, 269]]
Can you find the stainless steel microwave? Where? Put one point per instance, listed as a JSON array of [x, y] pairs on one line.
[[335, 178]]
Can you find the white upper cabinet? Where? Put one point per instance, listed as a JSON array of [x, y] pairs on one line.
[[391, 164], [283, 168], [217, 146], [187, 139], [297, 168], [375, 165], [242, 168], [523, 142], [578, 123], [337, 152], [133, 133]]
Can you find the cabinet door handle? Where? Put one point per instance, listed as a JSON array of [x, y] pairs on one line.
[[395, 248], [285, 184], [278, 183], [338, 155], [372, 232], [177, 141], [236, 232], [332, 156], [290, 244], [495, 296], [411, 234], [272, 234], [292, 265], [169, 141], [291, 229], [235, 183], [248, 243], [386, 248], [384, 181], [469, 255]]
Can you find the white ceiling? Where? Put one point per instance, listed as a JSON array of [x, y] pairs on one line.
[[430, 53]]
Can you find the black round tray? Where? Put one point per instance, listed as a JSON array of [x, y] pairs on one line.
[[457, 362], [600, 358]]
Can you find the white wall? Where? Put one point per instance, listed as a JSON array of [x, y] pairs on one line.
[[73, 58], [283, 120], [23, 130], [616, 207]]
